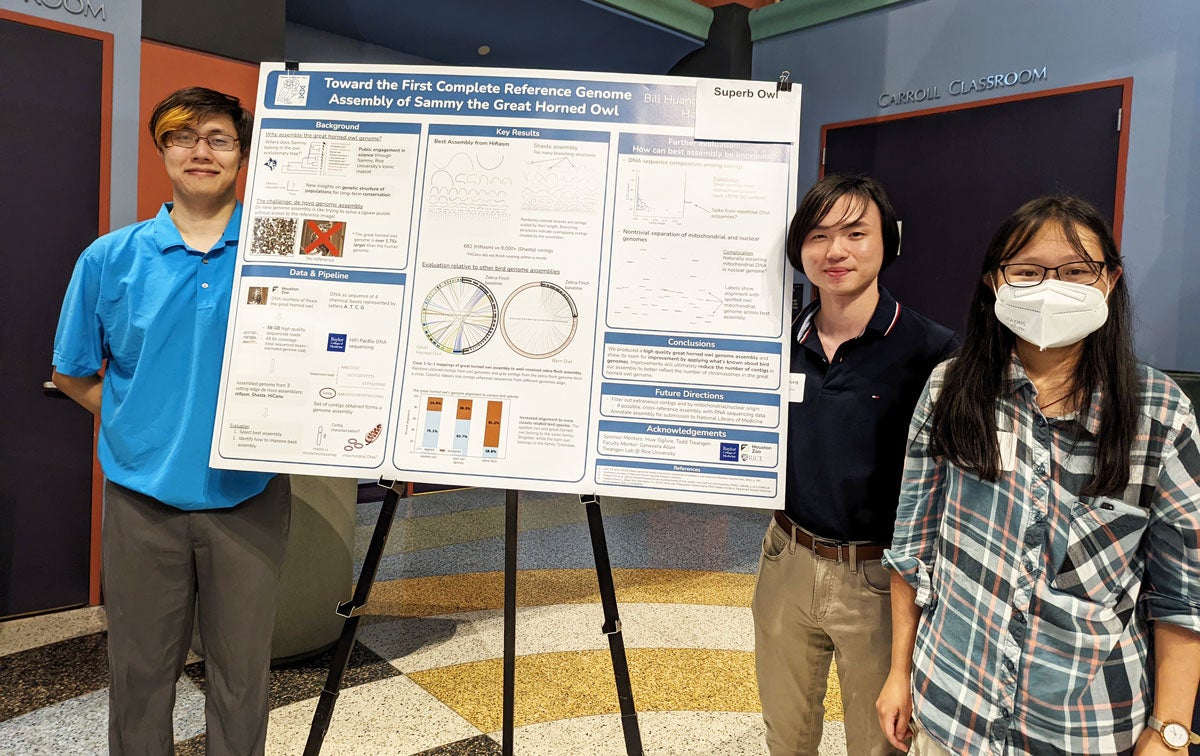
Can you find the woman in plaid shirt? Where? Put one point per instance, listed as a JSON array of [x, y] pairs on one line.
[[1048, 533]]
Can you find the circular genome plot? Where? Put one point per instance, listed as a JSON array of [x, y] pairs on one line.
[[539, 320], [459, 315]]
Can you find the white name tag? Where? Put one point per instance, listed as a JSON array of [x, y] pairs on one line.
[[796, 387], [1008, 450]]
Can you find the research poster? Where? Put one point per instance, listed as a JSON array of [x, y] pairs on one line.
[[535, 280]]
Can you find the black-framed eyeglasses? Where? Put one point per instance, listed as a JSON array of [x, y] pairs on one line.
[[1084, 272], [189, 139]]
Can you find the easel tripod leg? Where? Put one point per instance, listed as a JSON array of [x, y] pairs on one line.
[[612, 628], [510, 618], [349, 610]]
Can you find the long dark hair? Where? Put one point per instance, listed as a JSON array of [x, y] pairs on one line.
[[963, 425]]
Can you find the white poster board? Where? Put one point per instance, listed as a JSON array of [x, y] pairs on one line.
[[535, 280]]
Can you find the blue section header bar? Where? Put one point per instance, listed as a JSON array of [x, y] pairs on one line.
[[352, 127], [694, 342], [688, 394], [519, 132], [333, 275], [688, 431], [659, 145], [491, 96]]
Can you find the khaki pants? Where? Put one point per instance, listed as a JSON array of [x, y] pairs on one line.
[[161, 564], [807, 612], [923, 745]]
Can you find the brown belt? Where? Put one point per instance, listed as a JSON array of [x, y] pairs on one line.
[[827, 548]]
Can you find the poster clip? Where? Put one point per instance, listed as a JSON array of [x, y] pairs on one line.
[[398, 486], [784, 84], [291, 66]]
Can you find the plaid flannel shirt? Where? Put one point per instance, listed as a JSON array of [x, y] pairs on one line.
[[1034, 635]]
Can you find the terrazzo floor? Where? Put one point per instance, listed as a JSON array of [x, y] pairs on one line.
[[426, 674]]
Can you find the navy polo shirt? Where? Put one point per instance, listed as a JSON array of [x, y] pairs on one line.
[[847, 433], [157, 311]]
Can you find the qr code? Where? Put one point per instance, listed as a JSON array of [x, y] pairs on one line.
[[273, 236], [292, 89]]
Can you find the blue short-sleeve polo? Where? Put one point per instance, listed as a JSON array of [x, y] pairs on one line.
[[157, 311]]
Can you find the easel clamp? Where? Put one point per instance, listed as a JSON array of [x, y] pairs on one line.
[[388, 484]]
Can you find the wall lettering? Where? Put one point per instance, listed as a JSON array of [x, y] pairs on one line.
[[83, 8], [959, 87]]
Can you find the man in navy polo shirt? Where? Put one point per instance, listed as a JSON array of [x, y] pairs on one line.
[[149, 303], [858, 366]]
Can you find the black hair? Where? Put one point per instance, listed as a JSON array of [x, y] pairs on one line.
[[194, 104], [824, 194], [963, 424]]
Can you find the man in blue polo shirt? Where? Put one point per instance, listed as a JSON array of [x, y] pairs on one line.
[[858, 366], [149, 303]]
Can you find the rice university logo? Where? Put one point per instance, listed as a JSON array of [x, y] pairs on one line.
[[84, 8]]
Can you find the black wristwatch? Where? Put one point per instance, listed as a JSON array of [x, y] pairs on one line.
[[1176, 736]]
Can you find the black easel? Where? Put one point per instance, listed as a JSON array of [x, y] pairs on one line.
[[608, 600], [350, 610], [611, 626]]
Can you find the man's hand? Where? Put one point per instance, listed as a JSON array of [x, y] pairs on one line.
[[895, 709], [86, 390]]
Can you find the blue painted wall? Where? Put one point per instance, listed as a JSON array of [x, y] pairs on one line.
[[845, 65], [304, 43]]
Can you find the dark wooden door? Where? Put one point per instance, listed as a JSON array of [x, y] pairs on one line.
[[50, 125]]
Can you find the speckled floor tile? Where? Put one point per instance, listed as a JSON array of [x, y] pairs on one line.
[[684, 576], [393, 716], [663, 733], [417, 643], [305, 679], [444, 502], [696, 732], [53, 673], [415, 529], [833, 738], [677, 537], [479, 746], [44, 629], [448, 594], [568, 685], [79, 726]]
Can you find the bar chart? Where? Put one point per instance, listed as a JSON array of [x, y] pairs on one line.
[[463, 426]]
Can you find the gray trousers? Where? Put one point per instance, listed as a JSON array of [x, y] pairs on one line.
[[163, 565]]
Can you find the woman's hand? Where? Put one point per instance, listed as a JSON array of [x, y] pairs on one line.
[[895, 709], [1151, 744]]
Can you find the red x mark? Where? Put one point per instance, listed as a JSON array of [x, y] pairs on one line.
[[324, 238]]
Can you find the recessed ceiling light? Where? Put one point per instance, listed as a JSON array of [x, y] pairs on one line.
[[484, 50]]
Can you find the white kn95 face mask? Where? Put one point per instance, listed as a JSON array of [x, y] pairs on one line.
[[1053, 313]]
